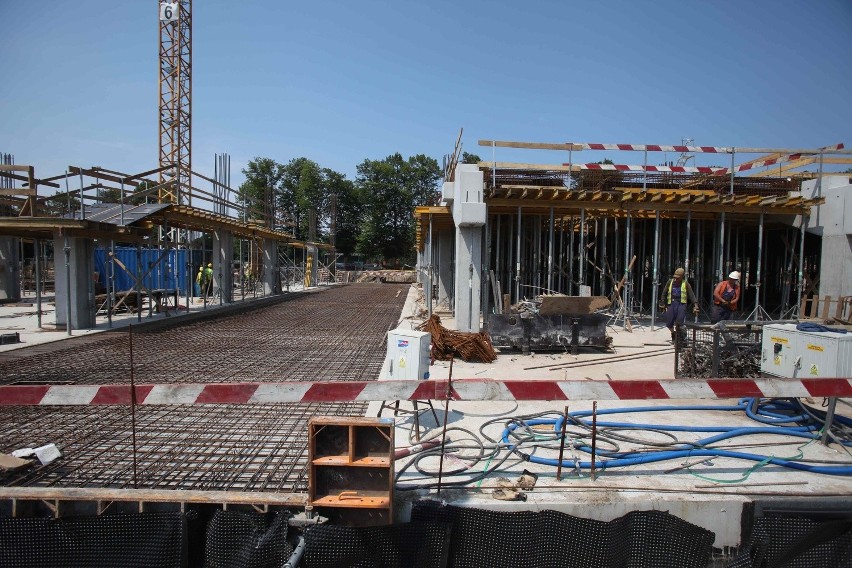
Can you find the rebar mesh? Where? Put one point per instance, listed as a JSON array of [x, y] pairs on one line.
[[335, 335]]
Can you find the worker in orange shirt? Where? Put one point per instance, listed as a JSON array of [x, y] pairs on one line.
[[725, 297]]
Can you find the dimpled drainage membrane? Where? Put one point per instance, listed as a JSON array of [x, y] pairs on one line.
[[336, 334]]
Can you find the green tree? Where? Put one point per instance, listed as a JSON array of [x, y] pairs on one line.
[[349, 210], [257, 193], [389, 190], [59, 204], [468, 158], [143, 193]]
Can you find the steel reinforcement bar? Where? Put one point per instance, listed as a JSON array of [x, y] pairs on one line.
[[462, 390]]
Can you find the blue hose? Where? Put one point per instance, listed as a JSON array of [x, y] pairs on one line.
[[776, 412]]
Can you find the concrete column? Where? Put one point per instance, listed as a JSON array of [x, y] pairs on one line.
[[468, 277], [469, 216], [836, 266], [82, 270], [223, 265], [10, 281], [269, 274], [445, 267], [311, 264]]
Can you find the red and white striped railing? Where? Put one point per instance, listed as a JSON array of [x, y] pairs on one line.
[[463, 389]]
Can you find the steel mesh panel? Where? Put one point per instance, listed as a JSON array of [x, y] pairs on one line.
[[640, 539], [247, 540], [416, 545], [705, 351], [139, 540]]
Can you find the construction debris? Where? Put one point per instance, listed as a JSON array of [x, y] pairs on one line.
[[447, 344]]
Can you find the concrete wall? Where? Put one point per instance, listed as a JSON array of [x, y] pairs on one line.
[[833, 221]]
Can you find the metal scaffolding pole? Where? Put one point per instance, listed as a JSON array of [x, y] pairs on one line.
[[429, 270], [571, 257], [655, 282], [720, 275], [757, 272], [804, 224], [518, 262], [550, 255], [38, 279], [581, 273]]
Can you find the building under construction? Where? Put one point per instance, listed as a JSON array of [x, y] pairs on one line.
[[241, 425]]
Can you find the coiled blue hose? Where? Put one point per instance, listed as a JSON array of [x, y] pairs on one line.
[[775, 412]]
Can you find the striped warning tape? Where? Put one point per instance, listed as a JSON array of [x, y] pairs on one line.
[[654, 148], [463, 389], [626, 168]]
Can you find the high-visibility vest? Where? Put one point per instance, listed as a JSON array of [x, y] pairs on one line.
[[683, 297]]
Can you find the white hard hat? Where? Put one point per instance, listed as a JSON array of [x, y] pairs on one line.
[[734, 275]]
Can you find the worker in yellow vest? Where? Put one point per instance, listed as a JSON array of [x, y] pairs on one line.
[[677, 293]]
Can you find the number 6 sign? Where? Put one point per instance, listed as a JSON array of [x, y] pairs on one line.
[[169, 12]]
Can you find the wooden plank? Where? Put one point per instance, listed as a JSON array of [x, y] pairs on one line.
[[531, 145], [153, 495], [572, 305], [525, 166]]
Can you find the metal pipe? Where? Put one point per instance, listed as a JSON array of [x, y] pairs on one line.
[[628, 248], [82, 210], [801, 261], [132, 401], [757, 273], [581, 272], [518, 261], [122, 202], [138, 282], [429, 271], [655, 282], [67, 249], [720, 275], [110, 287], [571, 256], [446, 414], [296, 558], [561, 446], [732, 170], [829, 418], [38, 280], [550, 254], [604, 257]]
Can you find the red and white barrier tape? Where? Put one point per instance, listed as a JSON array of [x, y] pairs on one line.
[[627, 168], [654, 148], [463, 389]]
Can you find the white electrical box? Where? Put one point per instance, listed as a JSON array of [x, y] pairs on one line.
[[408, 354], [789, 352]]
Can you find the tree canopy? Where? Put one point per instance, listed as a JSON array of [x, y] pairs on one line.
[[370, 216]]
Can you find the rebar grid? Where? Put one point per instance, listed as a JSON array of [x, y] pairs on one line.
[[336, 335]]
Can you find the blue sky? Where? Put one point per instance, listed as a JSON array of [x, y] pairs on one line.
[[339, 82]]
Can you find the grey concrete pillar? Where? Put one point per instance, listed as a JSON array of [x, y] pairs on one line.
[[10, 280], [269, 274], [82, 270], [223, 265], [469, 216], [445, 268], [311, 265], [835, 276], [468, 277]]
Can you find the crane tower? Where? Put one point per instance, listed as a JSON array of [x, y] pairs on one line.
[[175, 112]]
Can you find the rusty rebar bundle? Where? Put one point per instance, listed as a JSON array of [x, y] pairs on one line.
[[468, 346]]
